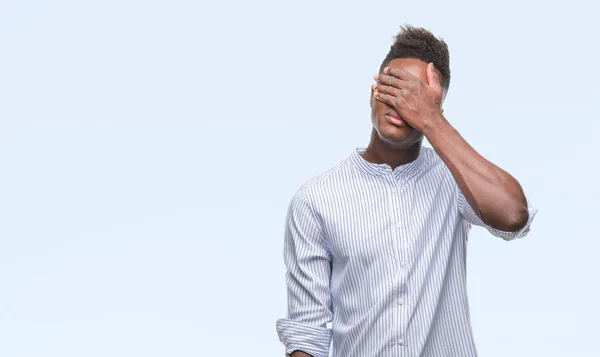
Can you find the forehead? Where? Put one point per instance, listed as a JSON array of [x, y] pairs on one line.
[[411, 65]]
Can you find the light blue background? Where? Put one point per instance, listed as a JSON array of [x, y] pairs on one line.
[[149, 150]]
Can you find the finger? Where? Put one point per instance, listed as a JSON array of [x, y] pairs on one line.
[[433, 78], [391, 81], [401, 74], [382, 88], [386, 98]]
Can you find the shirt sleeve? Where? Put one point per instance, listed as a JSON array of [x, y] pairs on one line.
[[470, 216], [308, 263]]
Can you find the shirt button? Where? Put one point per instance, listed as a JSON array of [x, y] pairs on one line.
[[400, 301], [400, 341]]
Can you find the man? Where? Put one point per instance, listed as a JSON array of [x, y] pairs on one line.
[[377, 245]]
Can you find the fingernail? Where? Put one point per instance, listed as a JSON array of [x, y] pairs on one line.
[[374, 86], [376, 77], [375, 94], [386, 69]]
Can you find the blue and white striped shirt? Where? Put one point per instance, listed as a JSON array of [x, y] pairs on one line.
[[381, 254]]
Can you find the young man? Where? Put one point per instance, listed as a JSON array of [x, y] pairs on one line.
[[377, 245]]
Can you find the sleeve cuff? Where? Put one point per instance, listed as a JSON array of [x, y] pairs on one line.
[[508, 236], [307, 338]]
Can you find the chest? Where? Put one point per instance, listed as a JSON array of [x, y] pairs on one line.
[[384, 220]]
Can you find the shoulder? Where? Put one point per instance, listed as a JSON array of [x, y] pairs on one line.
[[431, 157], [433, 162], [434, 170], [327, 179], [326, 182]]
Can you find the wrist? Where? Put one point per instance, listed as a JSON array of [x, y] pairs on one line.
[[433, 124]]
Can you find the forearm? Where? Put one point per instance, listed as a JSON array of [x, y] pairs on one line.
[[494, 194]]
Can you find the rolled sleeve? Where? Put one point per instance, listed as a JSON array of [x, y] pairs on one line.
[[308, 263], [470, 216], [300, 336]]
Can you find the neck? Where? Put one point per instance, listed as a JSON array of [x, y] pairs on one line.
[[393, 154]]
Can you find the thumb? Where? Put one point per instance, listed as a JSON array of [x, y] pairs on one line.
[[433, 78]]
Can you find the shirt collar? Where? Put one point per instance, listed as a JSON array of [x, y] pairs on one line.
[[405, 171]]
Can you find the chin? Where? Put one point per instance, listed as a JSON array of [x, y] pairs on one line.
[[394, 134], [394, 139]]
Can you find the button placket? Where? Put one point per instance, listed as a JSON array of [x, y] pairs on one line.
[[397, 239]]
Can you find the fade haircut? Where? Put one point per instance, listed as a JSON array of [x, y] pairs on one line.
[[421, 44]]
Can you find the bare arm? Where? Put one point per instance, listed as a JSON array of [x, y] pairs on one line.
[[495, 196]]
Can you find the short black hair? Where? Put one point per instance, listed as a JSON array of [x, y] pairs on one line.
[[421, 44]]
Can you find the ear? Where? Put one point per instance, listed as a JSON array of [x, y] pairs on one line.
[[433, 77]]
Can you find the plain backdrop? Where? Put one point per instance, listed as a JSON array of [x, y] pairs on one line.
[[149, 150]]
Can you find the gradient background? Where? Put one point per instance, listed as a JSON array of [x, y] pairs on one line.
[[149, 150]]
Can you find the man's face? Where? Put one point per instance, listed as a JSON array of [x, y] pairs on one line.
[[400, 135]]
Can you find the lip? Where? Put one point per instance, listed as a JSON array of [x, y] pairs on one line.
[[393, 119]]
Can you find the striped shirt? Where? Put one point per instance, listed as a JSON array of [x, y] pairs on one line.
[[381, 255]]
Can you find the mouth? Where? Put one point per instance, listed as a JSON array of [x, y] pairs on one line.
[[394, 119]]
